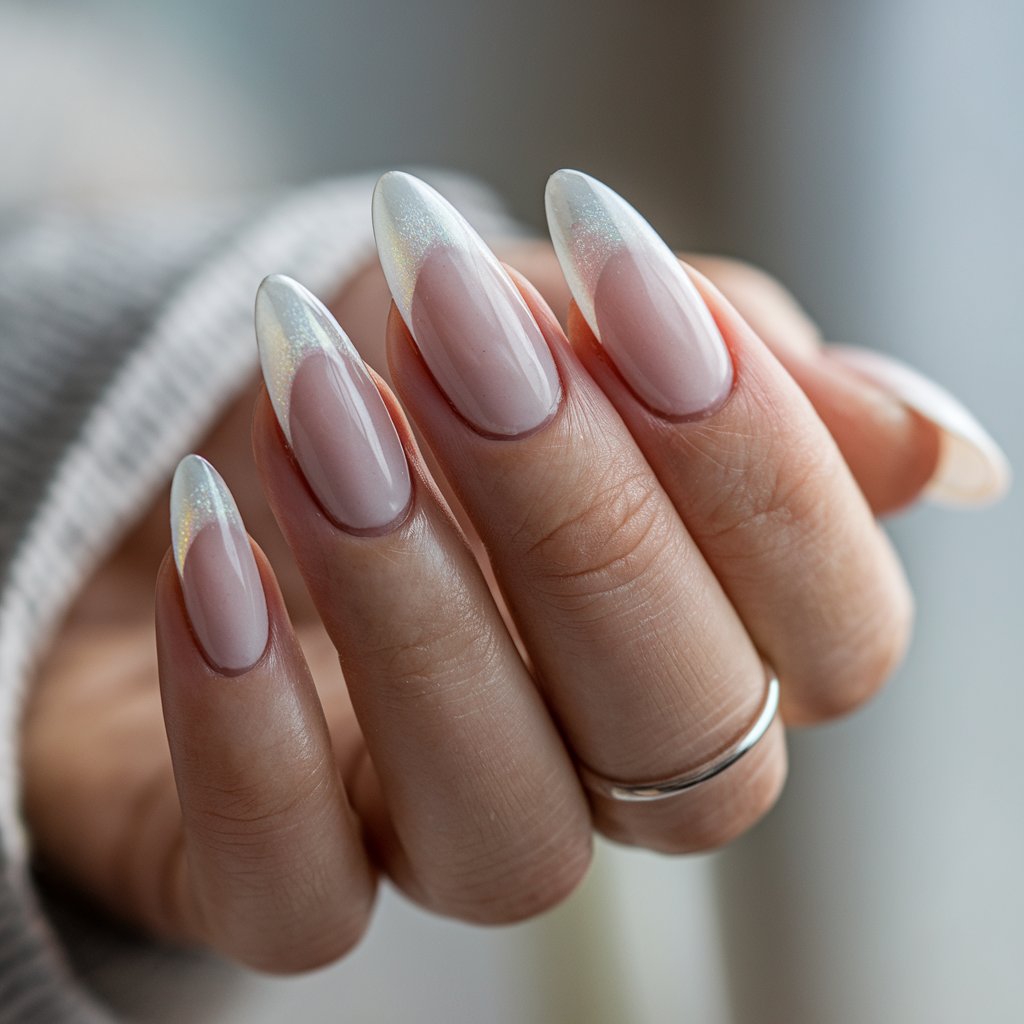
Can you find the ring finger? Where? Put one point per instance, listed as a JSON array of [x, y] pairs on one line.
[[749, 465]]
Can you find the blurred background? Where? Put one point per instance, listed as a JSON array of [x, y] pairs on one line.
[[870, 155]]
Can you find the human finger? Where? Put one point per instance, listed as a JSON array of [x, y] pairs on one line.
[[271, 869], [469, 795], [639, 652], [747, 461], [902, 435]]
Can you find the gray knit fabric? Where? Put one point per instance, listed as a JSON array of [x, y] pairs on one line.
[[121, 337]]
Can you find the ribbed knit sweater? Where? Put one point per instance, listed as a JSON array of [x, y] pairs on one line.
[[122, 336]]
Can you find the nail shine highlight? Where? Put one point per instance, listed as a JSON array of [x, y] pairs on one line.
[[329, 409], [474, 330], [638, 300], [220, 581]]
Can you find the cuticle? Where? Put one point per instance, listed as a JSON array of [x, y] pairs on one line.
[[384, 530], [234, 673], [697, 415], [524, 434], [711, 409]]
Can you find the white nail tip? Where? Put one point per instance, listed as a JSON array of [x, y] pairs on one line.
[[588, 223], [469, 321], [292, 323], [199, 497], [410, 220], [972, 468], [637, 298]]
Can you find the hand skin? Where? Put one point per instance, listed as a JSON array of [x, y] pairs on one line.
[[100, 798]]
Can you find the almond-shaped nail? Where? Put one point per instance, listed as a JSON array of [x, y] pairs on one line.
[[329, 409], [972, 468], [470, 324], [219, 579], [637, 299]]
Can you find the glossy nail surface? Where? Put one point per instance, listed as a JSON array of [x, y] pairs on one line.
[[637, 299], [329, 409], [471, 325], [972, 468], [219, 579]]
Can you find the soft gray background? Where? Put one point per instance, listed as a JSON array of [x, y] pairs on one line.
[[869, 154]]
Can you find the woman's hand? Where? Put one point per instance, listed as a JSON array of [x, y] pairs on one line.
[[626, 572]]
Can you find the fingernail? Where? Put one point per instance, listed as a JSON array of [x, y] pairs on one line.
[[329, 409], [972, 468], [470, 324], [639, 302], [219, 579]]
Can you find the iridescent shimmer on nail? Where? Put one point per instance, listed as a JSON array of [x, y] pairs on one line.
[[292, 324], [585, 229], [199, 498], [329, 409], [406, 228], [220, 580], [638, 300], [470, 323]]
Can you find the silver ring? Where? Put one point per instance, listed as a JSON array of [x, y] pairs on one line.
[[636, 792]]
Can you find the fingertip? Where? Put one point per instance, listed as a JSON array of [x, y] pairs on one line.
[[970, 469], [892, 451], [221, 586]]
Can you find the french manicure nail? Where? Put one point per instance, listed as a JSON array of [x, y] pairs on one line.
[[972, 468], [637, 299], [329, 409], [220, 582], [470, 324]]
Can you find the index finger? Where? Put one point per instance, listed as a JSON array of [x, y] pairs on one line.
[[272, 869]]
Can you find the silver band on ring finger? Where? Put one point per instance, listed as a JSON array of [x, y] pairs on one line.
[[661, 789]]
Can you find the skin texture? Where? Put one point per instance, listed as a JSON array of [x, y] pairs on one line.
[[101, 797]]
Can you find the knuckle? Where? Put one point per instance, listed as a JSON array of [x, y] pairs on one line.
[[608, 544], [281, 912], [848, 632], [449, 659], [515, 881], [885, 644], [240, 813], [857, 667], [782, 503], [756, 283]]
